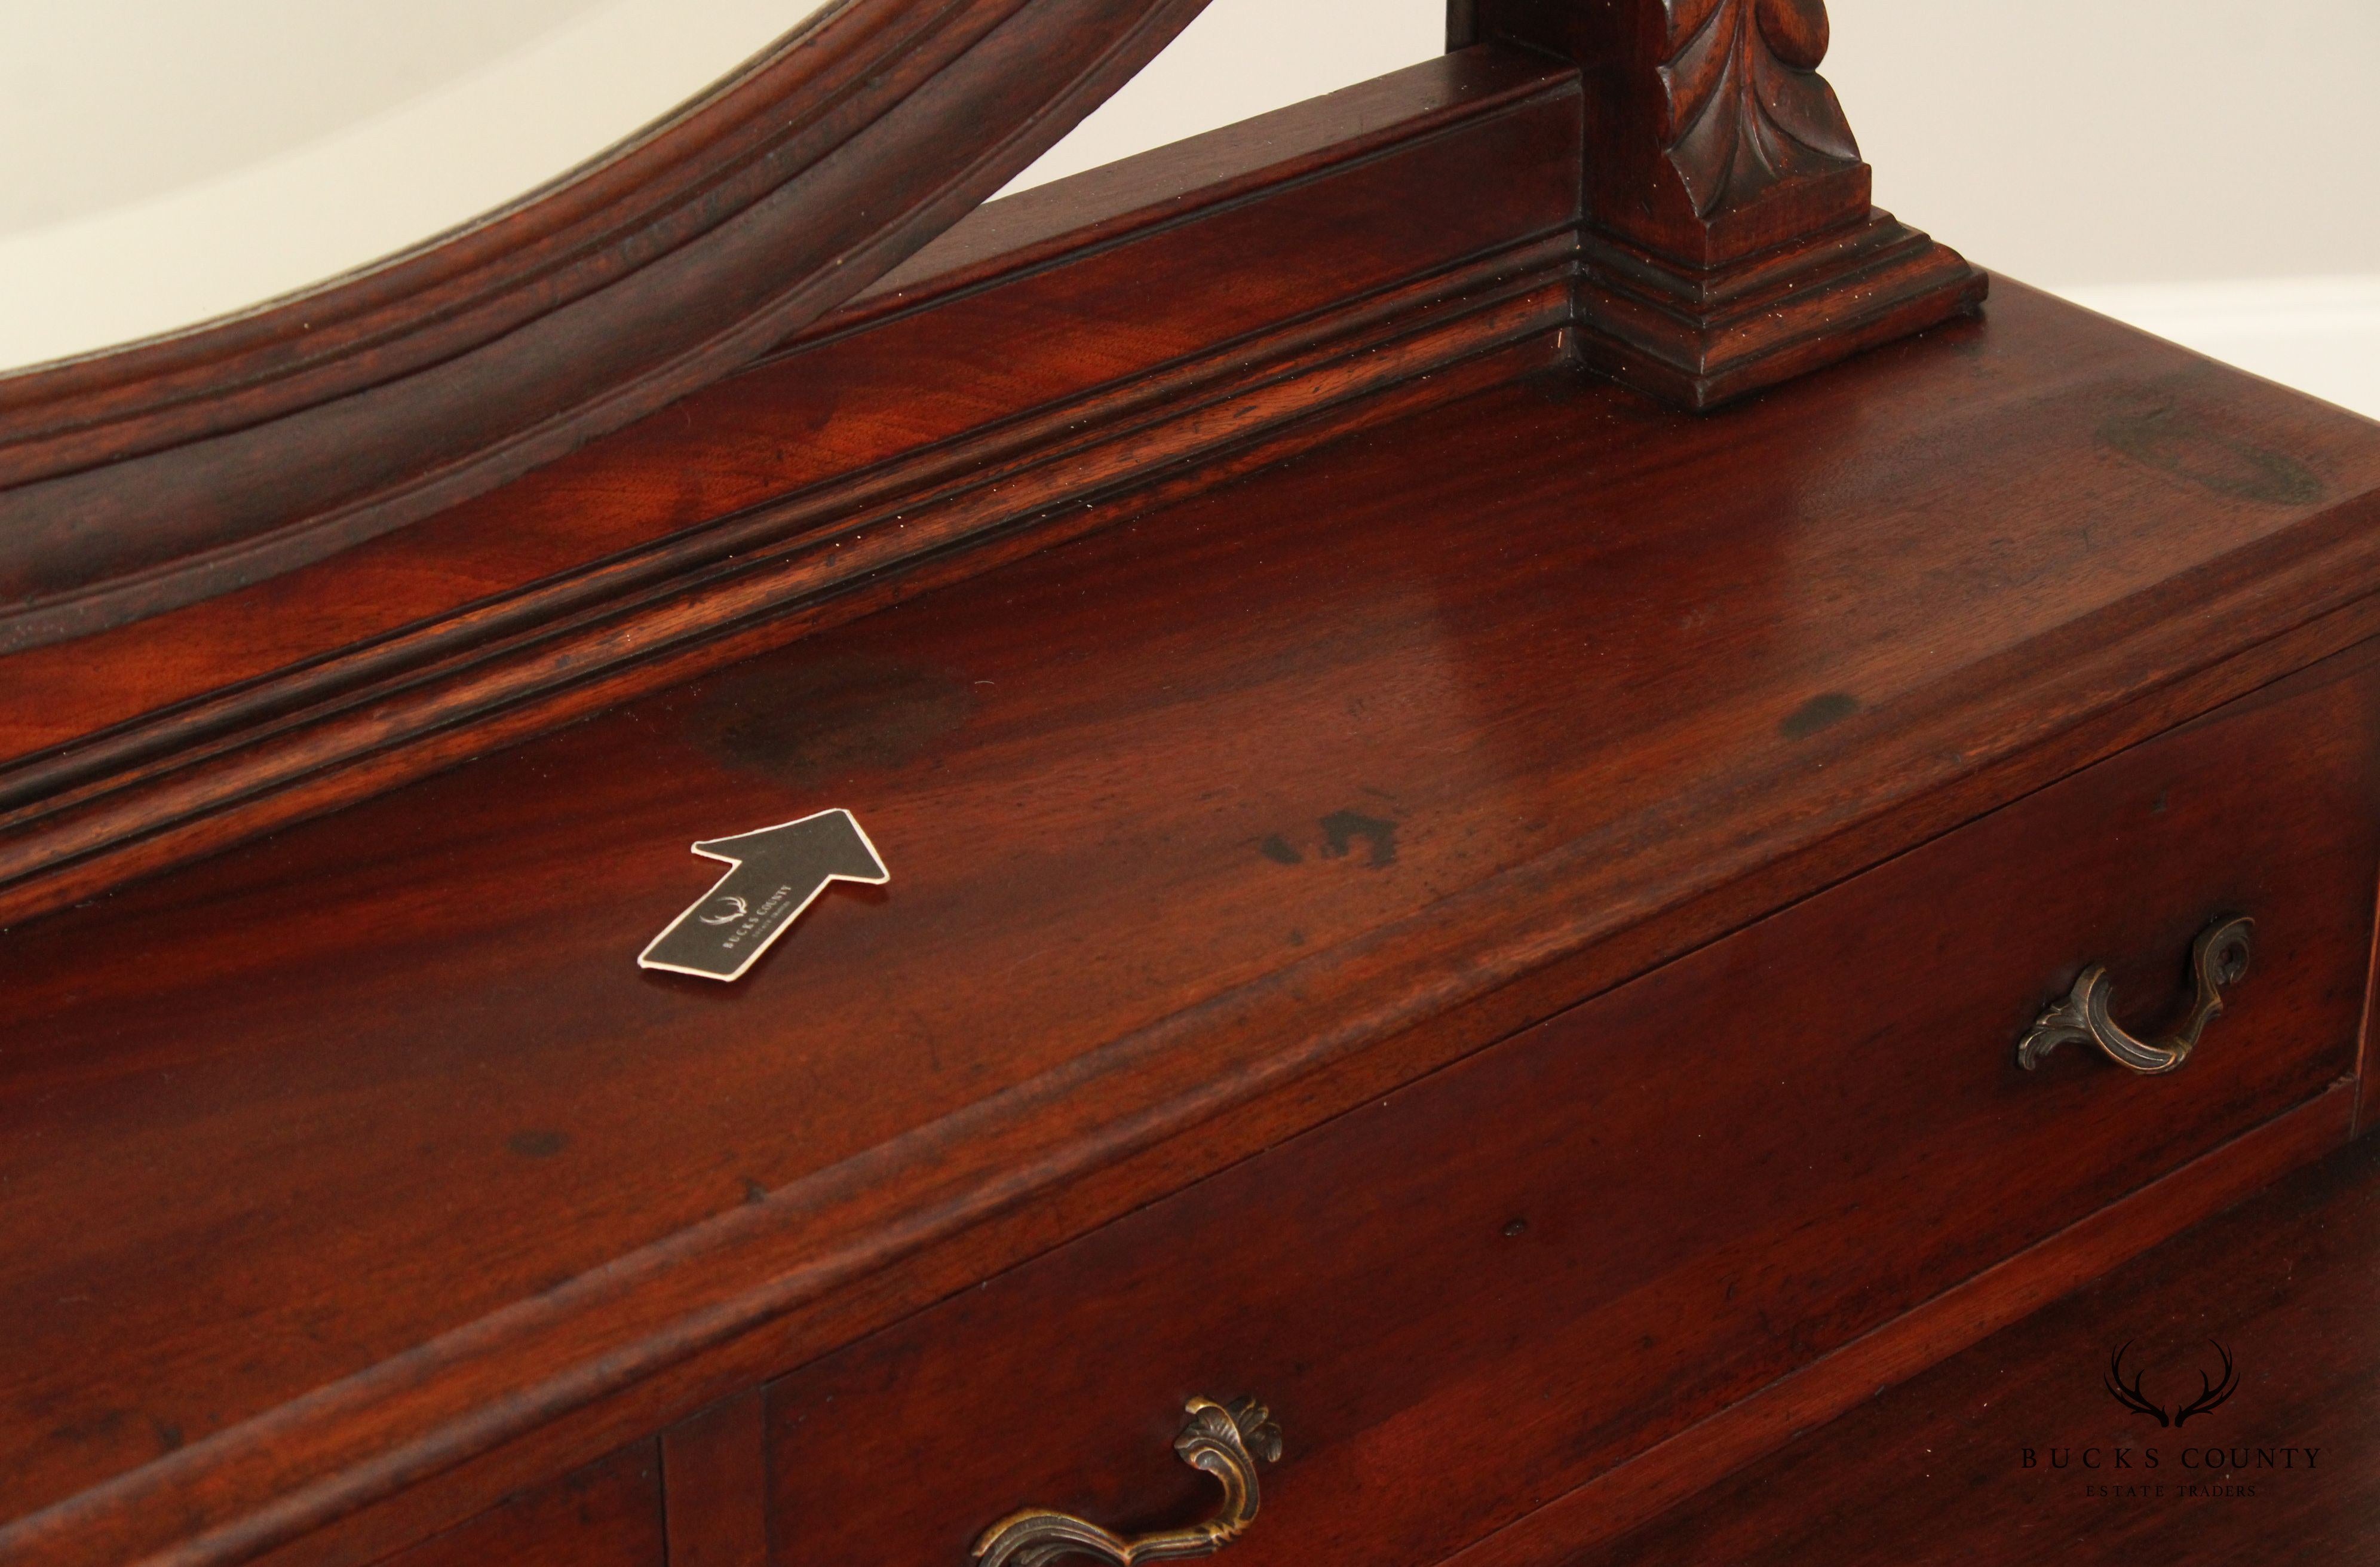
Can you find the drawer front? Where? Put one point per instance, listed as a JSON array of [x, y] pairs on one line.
[[608, 1515], [1467, 1299]]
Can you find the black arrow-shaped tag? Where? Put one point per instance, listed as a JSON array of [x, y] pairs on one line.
[[779, 872]]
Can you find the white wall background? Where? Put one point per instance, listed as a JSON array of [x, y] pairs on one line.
[[190, 90], [163, 162], [2204, 167], [2208, 169], [2201, 168]]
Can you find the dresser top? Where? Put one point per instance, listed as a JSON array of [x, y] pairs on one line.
[[348, 1147]]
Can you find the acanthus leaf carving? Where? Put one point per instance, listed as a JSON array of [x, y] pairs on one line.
[[1746, 107], [1729, 239]]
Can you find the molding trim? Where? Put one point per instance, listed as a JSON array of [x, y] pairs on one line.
[[1257, 288], [1639, 1490], [1458, 301], [1700, 339], [878, 452], [1729, 239], [142, 478], [630, 1341]]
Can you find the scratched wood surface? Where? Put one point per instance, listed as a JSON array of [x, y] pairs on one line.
[[380, 1113]]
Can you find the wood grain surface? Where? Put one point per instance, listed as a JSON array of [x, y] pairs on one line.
[[715, 1468], [1936, 1470], [608, 1515], [1472, 1295], [1195, 825], [1186, 313]]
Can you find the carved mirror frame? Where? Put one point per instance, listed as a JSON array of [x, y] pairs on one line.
[[141, 478]]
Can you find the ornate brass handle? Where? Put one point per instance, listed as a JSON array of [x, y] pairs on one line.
[[1225, 1440], [2217, 958]]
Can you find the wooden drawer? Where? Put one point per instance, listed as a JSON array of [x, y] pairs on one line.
[[608, 1515], [1464, 1300]]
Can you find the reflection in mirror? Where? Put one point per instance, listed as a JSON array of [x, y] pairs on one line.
[[171, 162]]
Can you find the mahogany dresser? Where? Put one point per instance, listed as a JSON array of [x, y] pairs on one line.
[[1528, 806]]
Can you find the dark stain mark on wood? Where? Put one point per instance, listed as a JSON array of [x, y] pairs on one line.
[[808, 723], [1342, 828], [102, 1427], [1819, 712], [2190, 449], [537, 1145], [754, 1191], [1281, 850]]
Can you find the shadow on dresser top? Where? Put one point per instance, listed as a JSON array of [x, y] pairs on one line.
[[1201, 829]]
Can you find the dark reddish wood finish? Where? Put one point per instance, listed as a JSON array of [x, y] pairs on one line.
[[1644, 1487], [608, 1515], [1729, 244], [1715, 138], [1224, 300], [717, 1468], [134, 481], [1934, 1470], [1477, 1293], [385, 1249], [2368, 1099], [1728, 238], [1060, 361]]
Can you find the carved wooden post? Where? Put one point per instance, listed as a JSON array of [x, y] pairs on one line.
[[1729, 243]]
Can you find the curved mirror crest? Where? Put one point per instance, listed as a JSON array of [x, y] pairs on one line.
[[173, 163]]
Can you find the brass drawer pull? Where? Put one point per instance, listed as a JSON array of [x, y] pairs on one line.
[[2217, 958], [1223, 1439]]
